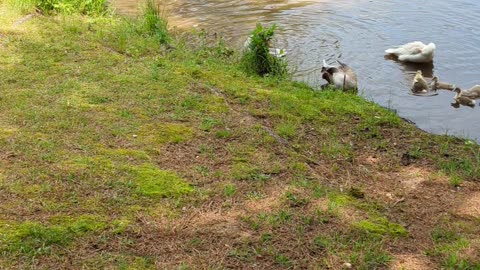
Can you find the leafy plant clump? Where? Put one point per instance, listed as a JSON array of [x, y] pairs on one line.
[[154, 21], [257, 57]]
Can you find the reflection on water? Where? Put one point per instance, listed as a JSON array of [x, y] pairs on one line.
[[358, 32]]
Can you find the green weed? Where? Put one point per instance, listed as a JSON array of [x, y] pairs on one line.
[[455, 181], [155, 22], [257, 58], [244, 171], [223, 134], [282, 260], [208, 124], [286, 130], [295, 200], [229, 190]]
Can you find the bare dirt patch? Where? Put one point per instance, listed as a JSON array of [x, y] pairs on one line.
[[411, 262], [411, 177], [470, 206]]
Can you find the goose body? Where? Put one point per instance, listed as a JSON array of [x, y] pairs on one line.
[[472, 93], [436, 84], [340, 77], [416, 52], [461, 99], [279, 53]]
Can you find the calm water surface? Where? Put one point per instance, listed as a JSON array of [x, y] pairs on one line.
[[358, 32]]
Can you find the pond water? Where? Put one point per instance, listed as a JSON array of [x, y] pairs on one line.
[[357, 32]]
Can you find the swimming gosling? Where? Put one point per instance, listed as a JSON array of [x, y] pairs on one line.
[[460, 99], [419, 84], [436, 84]]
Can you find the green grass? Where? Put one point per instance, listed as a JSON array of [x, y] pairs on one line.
[[229, 190], [451, 243], [286, 130]]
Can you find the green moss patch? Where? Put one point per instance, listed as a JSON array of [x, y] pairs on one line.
[[34, 238], [7, 132], [153, 182], [165, 133], [381, 226]]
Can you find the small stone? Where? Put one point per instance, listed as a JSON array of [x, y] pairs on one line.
[[347, 265], [135, 135]]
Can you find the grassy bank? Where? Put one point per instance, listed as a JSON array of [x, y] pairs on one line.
[[126, 147]]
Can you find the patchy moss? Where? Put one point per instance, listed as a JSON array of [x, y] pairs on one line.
[[339, 200], [381, 226], [7, 132], [244, 171], [126, 154], [134, 263], [286, 130], [96, 164], [33, 238], [156, 183], [165, 133], [120, 226]]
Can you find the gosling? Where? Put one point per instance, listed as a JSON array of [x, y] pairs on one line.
[[461, 99], [436, 84], [419, 84]]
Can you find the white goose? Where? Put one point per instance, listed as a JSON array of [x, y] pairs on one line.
[[415, 52]]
